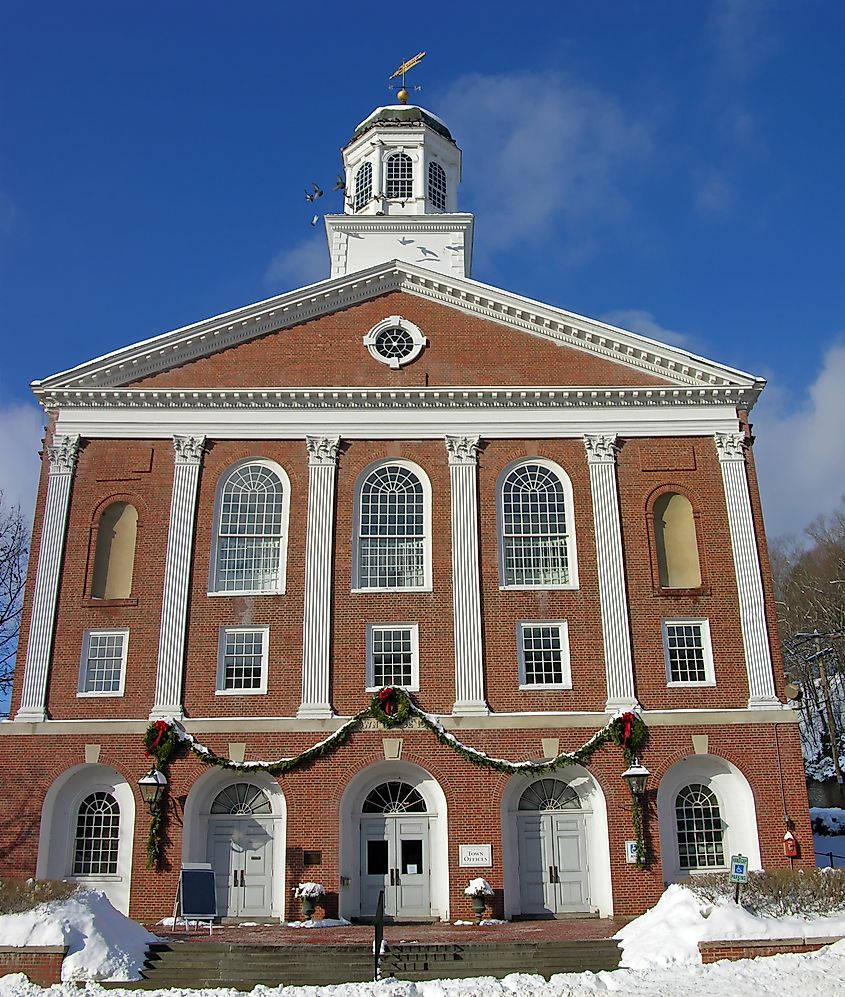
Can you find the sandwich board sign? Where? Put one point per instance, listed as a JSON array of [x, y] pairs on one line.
[[197, 898], [739, 869]]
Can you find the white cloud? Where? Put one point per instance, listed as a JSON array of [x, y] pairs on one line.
[[743, 33], [305, 263], [540, 150], [21, 432], [713, 194], [644, 323], [799, 451]]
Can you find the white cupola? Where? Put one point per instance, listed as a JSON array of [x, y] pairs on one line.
[[402, 169]]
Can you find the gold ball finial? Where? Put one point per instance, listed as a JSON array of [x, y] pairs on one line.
[[402, 96]]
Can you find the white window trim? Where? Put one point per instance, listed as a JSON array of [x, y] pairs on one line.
[[81, 692], [395, 322], [726, 849], [572, 551], [709, 670], [415, 654], [563, 626], [283, 546], [221, 661], [356, 527]]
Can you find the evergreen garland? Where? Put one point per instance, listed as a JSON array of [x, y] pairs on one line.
[[392, 707]]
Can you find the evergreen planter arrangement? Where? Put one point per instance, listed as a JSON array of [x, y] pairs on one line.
[[479, 890], [308, 894]]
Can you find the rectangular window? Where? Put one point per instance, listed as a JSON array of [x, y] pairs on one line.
[[543, 649], [392, 655], [103, 662], [689, 658], [242, 660]]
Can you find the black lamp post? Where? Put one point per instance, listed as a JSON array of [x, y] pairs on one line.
[[637, 779], [152, 787]]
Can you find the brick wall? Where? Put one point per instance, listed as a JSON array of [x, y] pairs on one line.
[[754, 949], [41, 963]]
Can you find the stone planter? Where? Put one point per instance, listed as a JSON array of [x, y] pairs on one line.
[[479, 905], [309, 905]]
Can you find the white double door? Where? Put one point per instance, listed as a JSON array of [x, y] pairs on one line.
[[553, 874], [395, 858], [241, 853]]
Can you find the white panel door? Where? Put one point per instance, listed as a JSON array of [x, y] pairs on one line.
[[395, 858], [241, 854], [553, 875]]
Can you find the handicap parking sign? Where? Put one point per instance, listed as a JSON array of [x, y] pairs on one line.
[[739, 868]]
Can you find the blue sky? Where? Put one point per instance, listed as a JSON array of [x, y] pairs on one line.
[[673, 167]]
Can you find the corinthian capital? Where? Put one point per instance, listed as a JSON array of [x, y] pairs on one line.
[[462, 449], [730, 446], [188, 449], [322, 450], [62, 454], [600, 449]]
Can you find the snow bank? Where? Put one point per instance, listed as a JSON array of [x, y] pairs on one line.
[[669, 933], [102, 943], [833, 818]]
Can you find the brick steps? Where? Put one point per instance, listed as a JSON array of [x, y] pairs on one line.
[[243, 967]]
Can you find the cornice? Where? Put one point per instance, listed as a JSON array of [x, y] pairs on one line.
[[395, 398], [399, 223], [276, 314]]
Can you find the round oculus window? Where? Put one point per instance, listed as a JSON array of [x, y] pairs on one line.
[[394, 341]]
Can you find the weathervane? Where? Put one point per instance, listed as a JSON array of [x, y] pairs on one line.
[[402, 95]]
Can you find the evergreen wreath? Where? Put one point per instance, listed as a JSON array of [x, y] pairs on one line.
[[392, 707]]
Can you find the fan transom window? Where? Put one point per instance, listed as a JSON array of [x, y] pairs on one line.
[[241, 799], [534, 527], [363, 186], [400, 175], [394, 798], [391, 539], [437, 186], [699, 826], [549, 794], [97, 836], [249, 534]]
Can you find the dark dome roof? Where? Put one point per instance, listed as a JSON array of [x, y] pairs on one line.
[[403, 115]]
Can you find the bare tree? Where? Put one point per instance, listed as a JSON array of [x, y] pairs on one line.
[[809, 580], [13, 555]]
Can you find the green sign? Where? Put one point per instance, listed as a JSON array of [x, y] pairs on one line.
[[739, 869]]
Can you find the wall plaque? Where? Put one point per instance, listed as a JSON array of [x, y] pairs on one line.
[[479, 855]]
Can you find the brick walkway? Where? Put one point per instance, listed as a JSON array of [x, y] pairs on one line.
[[426, 934]]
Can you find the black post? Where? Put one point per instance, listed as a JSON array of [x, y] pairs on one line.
[[379, 930], [736, 895]]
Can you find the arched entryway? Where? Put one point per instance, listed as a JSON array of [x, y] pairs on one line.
[[235, 822], [555, 846], [393, 839]]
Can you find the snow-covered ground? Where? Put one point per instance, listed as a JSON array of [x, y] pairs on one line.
[[830, 847], [660, 957]]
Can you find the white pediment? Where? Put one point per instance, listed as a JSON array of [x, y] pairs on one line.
[[172, 349]]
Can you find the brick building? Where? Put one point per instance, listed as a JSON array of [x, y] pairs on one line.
[[399, 477]]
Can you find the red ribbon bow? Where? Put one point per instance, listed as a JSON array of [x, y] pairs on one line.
[[627, 728], [162, 729], [387, 698]]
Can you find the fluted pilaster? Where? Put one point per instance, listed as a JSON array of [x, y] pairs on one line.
[[749, 581], [601, 458], [62, 456], [188, 452], [316, 631]]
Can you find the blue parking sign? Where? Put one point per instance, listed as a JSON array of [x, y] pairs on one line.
[[739, 869]]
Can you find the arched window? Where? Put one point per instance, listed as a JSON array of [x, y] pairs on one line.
[[363, 186], [549, 794], [538, 548], [97, 836], [242, 799], [400, 174], [699, 827], [393, 522], [114, 559], [394, 798], [437, 186], [676, 542], [252, 514]]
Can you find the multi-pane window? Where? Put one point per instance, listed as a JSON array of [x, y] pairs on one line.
[[543, 649], [103, 662], [249, 531], [392, 655], [686, 645], [97, 836], [391, 533], [363, 186], [437, 186], [399, 177], [535, 536], [699, 826], [242, 665]]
